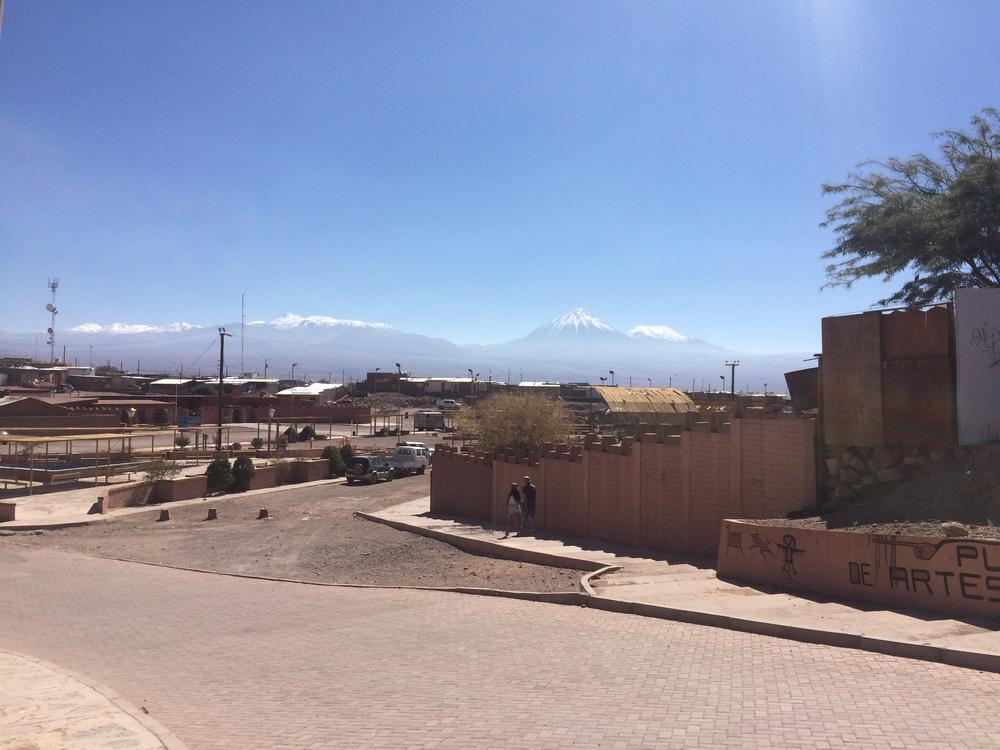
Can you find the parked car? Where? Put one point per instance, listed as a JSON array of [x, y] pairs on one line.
[[448, 403], [368, 469], [410, 458]]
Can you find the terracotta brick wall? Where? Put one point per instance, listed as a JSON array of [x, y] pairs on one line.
[[663, 494], [778, 466], [613, 497], [461, 485], [666, 492], [562, 499]]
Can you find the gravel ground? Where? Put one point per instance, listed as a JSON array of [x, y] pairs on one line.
[[313, 535]]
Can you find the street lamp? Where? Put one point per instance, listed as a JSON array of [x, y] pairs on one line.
[[292, 378], [266, 363], [650, 382], [270, 419], [603, 380], [612, 372], [722, 388]]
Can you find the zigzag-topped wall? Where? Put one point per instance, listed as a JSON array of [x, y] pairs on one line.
[[666, 488]]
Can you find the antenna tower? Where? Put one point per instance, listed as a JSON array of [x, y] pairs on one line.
[[243, 330], [51, 307]]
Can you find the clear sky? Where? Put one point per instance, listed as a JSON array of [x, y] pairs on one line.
[[468, 170]]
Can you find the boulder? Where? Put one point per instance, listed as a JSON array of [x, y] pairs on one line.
[[849, 476], [954, 529], [894, 474]]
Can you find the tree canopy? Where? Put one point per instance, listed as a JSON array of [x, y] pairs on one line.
[[519, 421], [937, 219]]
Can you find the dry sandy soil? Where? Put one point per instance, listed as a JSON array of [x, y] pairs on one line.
[[313, 535]]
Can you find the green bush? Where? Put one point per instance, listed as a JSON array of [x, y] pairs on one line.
[[257, 443], [346, 452], [284, 470], [308, 433], [220, 474], [161, 470], [182, 441], [337, 465], [243, 471], [291, 435]]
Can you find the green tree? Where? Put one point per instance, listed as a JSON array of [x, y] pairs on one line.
[[346, 451], [243, 472], [308, 433], [337, 465], [204, 389], [291, 434], [220, 474], [519, 421], [937, 219], [107, 370], [257, 443]]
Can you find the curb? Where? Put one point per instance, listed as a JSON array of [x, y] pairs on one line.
[[485, 548], [978, 660], [168, 739]]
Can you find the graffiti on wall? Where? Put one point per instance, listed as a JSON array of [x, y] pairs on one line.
[[965, 568]]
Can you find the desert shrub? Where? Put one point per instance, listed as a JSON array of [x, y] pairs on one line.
[[509, 420], [291, 435], [182, 441], [243, 471], [236, 446], [308, 433], [161, 470], [220, 474], [257, 443], [284, 471], [337, 465]]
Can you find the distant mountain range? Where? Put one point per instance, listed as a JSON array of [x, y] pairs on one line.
[[576, 346]]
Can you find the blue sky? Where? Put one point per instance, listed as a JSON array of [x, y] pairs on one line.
[[460, 169]]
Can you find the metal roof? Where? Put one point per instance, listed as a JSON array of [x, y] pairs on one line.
[[172, 381], [645, 400], [313, 389]]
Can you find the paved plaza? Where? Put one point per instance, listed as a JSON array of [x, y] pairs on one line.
[[226, 662]]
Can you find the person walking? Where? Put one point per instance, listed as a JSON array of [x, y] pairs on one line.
[[529, 496], [513, 509]]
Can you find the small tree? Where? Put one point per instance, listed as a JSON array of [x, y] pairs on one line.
[[203, 389], [243, 472], [257, 443], [519, 421], [346, 452], [283, 469], [337, 465], [291, 434], [308, 433], [161, 470], [220, 474], [182, 441]]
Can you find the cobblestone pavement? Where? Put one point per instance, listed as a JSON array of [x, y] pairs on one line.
[[235, 663]]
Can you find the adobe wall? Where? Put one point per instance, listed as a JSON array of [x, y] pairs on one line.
[[462, 484], [127, 496], [185, 488], [310, 470], [264, 477], [956, 576], [662, 491]]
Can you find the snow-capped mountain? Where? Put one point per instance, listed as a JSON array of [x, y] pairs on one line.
[[577, 323], [574, 346], [659, 333]]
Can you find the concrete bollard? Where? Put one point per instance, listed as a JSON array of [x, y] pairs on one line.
[[164, 515], [212, 514], [263, 515]]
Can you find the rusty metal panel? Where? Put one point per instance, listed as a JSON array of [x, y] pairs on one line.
[[803, 387], [917, 334], [919, 402], [852, 380]]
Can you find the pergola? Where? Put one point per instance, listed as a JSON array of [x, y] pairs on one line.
[[125, 437]]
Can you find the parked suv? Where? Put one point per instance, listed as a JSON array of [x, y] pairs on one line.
[[368, 469], [411, 458]]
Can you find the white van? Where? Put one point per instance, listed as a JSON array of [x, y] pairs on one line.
[[410, 459], [448, 404]]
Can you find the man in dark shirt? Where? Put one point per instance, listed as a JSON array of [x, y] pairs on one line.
[[528, 497]]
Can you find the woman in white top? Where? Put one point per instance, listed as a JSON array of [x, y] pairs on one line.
[[513, 509]]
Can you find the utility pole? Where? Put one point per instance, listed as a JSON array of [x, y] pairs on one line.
[[732, 376], [222, 369], [243, 329]]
